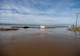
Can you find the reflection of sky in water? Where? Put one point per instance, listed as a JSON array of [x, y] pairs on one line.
[[21, 31], [62, 32], [51, 31]]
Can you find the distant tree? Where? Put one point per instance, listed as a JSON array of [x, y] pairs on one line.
[[25, 27]]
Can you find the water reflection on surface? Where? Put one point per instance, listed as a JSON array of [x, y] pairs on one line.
[[77, 45], [42, 33], [40, 42]]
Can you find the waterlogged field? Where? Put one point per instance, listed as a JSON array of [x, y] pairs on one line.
[[40, 42]]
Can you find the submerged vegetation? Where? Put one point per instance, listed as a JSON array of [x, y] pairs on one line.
[[74, 28], [8, 29], [12, 28]]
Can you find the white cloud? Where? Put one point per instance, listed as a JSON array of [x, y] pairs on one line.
[[25, 12]]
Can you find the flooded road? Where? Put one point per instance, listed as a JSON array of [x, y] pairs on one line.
[[40, 42]]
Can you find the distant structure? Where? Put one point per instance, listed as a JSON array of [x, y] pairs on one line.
[[42, 27], [71, 26]]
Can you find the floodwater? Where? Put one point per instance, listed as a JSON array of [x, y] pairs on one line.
[[40, 42]]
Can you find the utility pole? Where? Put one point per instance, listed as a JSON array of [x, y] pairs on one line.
[[76, 19], [77, 15]]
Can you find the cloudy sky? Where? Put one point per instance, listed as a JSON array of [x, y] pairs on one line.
[[39, 11]]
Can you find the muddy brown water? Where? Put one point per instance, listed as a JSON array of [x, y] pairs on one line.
[[40, 42]]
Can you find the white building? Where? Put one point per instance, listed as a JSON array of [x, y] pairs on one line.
[[42, 27]]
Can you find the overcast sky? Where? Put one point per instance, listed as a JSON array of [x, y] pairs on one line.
[[39, 11]]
